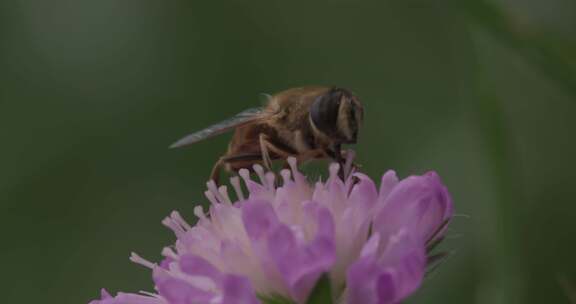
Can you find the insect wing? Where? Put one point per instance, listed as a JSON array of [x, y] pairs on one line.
[[237, 120]]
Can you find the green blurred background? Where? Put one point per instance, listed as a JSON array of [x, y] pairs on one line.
[[93, 91]]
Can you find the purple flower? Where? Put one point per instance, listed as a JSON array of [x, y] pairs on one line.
[[371, 243]]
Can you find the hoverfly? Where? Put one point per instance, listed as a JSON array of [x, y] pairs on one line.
[[307, 123]]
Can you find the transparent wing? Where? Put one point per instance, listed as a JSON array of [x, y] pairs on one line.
[[265, 98], [237, 120]]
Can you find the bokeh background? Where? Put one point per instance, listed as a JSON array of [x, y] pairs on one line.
[[93, 91]]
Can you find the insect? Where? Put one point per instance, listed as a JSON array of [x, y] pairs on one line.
[[308, 123]]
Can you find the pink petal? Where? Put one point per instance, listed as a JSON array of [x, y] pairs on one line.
[[388, 182], [364, 193], [389, 277], [301, 265], [197, 266], [237, 290], [418, 203], [259, 218]]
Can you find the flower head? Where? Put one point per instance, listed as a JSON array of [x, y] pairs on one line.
[[279, 241]]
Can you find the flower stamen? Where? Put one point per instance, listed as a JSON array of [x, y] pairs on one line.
[[169, 253], [178, 219], [213, 189], [260, 172], [135, 258], [223, 190], [211, 197], [286, 176], [235, 181]]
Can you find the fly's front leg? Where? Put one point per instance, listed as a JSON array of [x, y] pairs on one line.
[[266, 147], [336, 153], [265, 154], [351, 165], [346, 161]]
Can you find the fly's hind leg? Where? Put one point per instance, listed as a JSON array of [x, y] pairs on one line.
[[215, 174], [234, 162]]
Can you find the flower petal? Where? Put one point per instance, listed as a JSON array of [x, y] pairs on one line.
[[259, 218], [388, 182], [364, 192], [405, 261], [237, 290], [418, 203], [386, 288], [389, 277], [301, 264], [177, 290], [130, 298], [126, 298], [361, 280], [197, 266]]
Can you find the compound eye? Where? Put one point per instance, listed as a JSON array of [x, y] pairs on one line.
[[324, 112]]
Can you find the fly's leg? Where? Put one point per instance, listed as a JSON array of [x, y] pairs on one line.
[[235, 161], [266, 147], [264, 143], [337, 154], [349, 165], [215, 174]]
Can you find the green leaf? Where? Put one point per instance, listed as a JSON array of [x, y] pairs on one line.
[[322, 292], [492, 19]]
